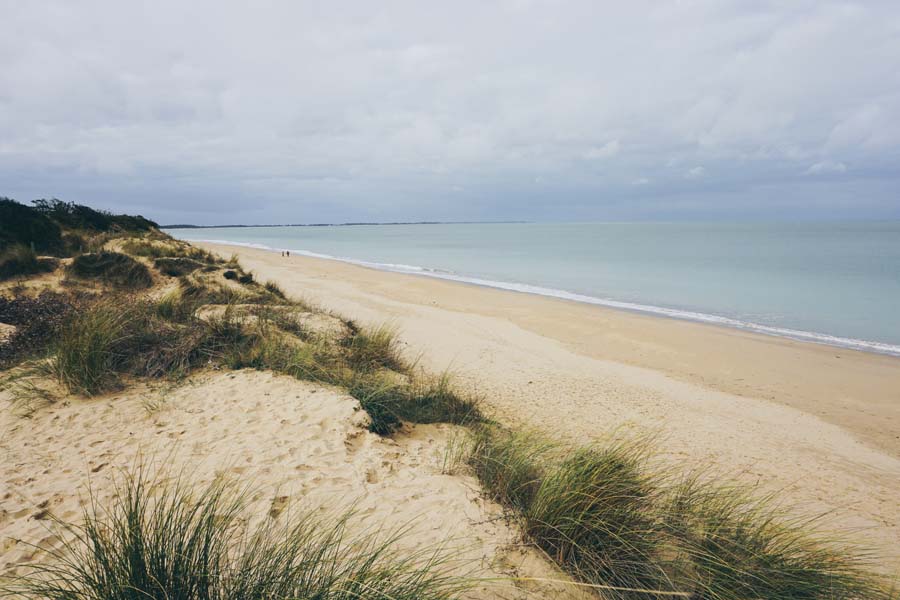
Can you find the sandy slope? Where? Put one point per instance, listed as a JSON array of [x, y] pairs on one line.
[[298, 445], [820, 423]]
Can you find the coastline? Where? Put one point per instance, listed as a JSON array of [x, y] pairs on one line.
[[819, 421], [640, 308]]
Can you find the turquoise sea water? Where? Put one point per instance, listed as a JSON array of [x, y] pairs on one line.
[[835, 283]]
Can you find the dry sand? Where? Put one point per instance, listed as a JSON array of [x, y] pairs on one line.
[[820, 424], [300, 446]]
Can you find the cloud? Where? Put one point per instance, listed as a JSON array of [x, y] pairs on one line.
[[695, 173], [640, 181], [355, 111], [608, 150], [826, 167]]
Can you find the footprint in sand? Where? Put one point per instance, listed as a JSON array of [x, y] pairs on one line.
[[278, 506]]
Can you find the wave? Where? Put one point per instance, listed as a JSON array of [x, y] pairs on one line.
[[686, 315]]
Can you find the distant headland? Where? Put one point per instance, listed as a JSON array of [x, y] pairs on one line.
[[350, 224]]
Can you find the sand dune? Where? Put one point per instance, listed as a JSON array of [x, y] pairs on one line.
[[298, 445], [821, 424]]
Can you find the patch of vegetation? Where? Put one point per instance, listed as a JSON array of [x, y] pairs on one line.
[[372, 349], [20, 224], [27, 390], [177, 267], [75, 216], [738, 546], [62, 228], [509, 464], [609, 520], [102, 342], [389, 400], [114, 268], [20, 260], [167, 248], [593, 513], [38, 321], [274, 289], [169, 542]]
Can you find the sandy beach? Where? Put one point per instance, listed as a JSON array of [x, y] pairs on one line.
[[819, 424]]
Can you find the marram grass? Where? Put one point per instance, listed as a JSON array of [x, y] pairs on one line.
[[158, 541], [609, 519]]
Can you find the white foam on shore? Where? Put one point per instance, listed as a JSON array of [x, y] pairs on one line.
[[794, 334]]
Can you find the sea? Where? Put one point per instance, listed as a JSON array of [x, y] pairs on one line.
[[829, 283]]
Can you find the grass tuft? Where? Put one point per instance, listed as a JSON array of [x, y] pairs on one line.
[[274, 289], [370, 349], [509, 464], [168, 248], [87, 352], [19, 260], [593, 513], [177, 266], [114, 268], [390, 399], [610, 521], [737, 546], [169, 542], [102, 342]]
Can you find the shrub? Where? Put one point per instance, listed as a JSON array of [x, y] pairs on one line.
[[231, 275], [18, 260], [168, 542], [20, 224], [74, 243], [114, 268], [76, 216]]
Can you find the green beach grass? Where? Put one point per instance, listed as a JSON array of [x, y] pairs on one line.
[[167, 541]]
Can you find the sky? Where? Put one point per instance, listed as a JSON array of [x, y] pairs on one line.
[[294, 112]]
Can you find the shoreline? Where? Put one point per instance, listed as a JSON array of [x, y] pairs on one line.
[[812, 337], [818, 423]]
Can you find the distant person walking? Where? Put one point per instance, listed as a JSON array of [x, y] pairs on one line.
[[289, 253]]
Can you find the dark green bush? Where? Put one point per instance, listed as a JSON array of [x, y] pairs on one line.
[[75, 216], [20, 224]]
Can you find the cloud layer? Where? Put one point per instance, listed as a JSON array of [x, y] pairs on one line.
[[288, 111]]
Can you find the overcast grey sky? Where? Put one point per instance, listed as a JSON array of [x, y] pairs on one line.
[[263, 112]]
